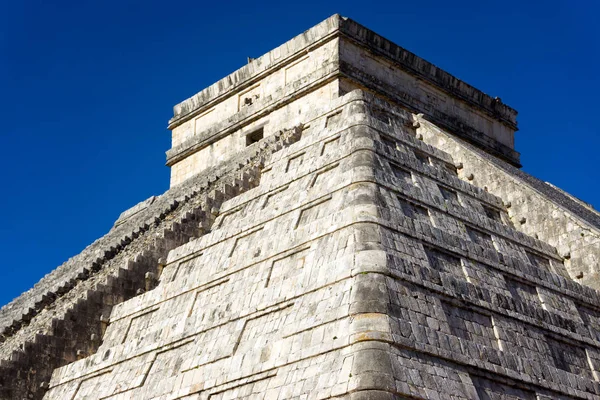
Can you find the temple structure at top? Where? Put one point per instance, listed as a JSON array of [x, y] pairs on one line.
[[345, 221], [312, 70]]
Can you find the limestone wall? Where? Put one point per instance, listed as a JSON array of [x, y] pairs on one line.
[[535, 208], [325, 62], [67, 324], [260, 304], [304, 68], [281, 56], [235, 137], [323, 242], [378, 72], [474, 308], [362, 267]]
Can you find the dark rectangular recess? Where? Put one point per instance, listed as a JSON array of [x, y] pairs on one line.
[[254, 136]]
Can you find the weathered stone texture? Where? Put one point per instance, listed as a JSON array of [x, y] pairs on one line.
[[323, 242], [293, 82], [535, 207], [372, 262], [71, 324]]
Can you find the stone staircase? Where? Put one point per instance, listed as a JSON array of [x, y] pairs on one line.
[[56, 326]]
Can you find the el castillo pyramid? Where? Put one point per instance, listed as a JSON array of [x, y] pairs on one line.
[[345, 221]]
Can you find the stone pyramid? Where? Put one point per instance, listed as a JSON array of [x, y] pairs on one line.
[[346, 221]]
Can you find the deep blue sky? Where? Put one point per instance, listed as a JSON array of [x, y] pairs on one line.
[[87, 88]]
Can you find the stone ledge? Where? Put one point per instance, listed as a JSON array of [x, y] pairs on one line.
[[557, 196], [337, 25], [450, 122], [429, 72], [238, 121], [248, 74]]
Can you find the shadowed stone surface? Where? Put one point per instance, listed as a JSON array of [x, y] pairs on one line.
[[320, 240]]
